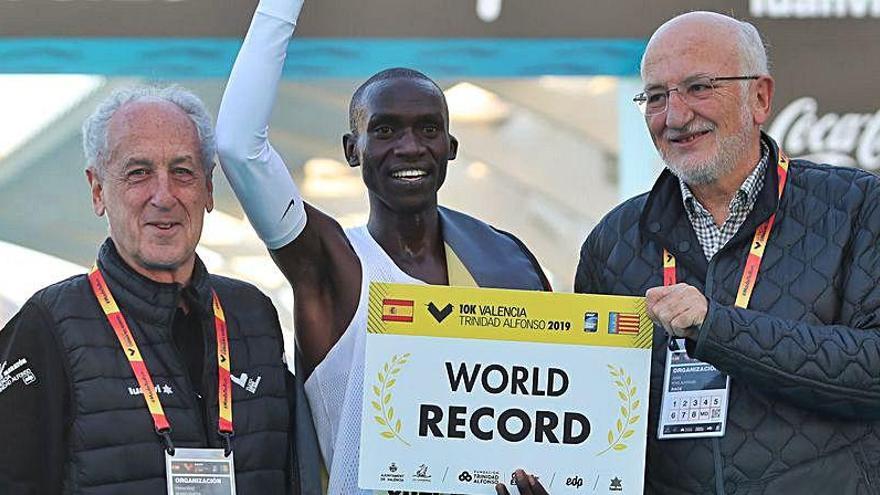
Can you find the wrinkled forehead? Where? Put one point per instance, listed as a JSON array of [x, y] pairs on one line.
[[149, 111], [156, 123], [680, 51]]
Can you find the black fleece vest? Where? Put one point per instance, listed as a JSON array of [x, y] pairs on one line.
[[113, 447]]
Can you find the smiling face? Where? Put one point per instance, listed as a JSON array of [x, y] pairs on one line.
[[402, 144], [702, 142], [153, 188]]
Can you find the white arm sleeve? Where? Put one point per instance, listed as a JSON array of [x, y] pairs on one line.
[[255, 170]]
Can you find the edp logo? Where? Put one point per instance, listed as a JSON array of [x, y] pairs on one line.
[[575, 481]]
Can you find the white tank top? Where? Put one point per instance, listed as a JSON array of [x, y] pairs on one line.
[[335, 387]]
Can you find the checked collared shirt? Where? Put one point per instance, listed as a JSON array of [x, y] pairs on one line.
[[711, 237]]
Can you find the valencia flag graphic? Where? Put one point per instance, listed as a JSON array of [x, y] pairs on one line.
[[623, 323]]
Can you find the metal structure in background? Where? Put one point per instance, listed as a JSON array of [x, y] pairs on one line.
[[524, 168], [824, 52], [559, 155]]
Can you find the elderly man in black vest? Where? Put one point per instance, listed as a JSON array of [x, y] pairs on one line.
[[149, 360], [759, 268]]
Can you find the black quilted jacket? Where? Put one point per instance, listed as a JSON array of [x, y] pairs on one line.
[[804, 358]]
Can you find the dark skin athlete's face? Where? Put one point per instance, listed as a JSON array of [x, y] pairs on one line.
[[402, 144]]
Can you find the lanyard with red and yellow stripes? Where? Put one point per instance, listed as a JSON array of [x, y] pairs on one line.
[[139, 367], [756, 252]]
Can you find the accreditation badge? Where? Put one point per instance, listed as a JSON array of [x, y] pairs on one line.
[[695, 397], [463, 385], [200, 472]]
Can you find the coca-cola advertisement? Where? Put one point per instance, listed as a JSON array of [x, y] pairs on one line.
[[846, 139]]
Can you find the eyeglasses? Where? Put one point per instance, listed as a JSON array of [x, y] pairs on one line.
[[693, 91]]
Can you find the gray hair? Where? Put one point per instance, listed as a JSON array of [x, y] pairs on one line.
[[94, 129], [753, 51]]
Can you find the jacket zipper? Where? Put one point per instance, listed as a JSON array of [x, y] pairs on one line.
[[192, 400]]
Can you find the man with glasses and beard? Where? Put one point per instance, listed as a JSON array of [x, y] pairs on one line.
[[758, 268]]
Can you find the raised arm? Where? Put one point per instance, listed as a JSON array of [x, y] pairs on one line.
[[255, 170], [308, 246]]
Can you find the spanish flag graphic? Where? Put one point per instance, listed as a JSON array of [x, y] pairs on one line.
[[397, 310]]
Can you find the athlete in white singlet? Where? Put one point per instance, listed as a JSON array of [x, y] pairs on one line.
[[400, 139]]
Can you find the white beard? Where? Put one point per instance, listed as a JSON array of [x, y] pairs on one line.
[[728, 153]]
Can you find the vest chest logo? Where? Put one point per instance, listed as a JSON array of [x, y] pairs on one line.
[[14, 373], [249, 384], [160, 389]]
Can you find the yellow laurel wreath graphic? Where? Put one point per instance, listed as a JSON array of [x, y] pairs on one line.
[[382, 391], [628, 407]]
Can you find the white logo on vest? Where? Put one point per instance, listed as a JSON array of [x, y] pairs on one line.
[[160, 389], [248, 384], [10, 375]]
